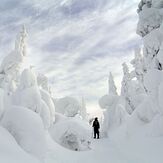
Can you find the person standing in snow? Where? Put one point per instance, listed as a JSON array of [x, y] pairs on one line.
[[96, 126]]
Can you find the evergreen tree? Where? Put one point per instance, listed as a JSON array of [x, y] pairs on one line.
[[125, 80], [11, 66], [83, 111], [125, 89], [112, 87]]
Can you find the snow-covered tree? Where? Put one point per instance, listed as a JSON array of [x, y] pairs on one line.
[[27, 94], [137, 63], [83, 110], [149, 17], [27, 129], [20, 43], [12, 62], [11, 66], [68, 106], [72, 133], [139, 69], [42, 81], [112, 112], [144, 4], [125, 86], [112, 87], [150, 29], [141, 89], [125, 81], [30, 96]]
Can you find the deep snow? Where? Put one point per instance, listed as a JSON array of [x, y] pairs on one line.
[[106, 150], [131, 150]]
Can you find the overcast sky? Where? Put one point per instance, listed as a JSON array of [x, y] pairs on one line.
[[76, 43]]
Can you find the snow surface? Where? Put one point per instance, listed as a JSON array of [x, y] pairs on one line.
[[11, 152], [71, 133], [27, 129], [68, 106], [128, 150]]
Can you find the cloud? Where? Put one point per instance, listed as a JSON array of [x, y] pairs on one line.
[[74, 42]]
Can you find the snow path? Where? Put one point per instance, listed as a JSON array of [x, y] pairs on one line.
[[102, 151], [107, 151]]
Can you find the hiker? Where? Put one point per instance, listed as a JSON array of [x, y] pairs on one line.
[[96, 127]]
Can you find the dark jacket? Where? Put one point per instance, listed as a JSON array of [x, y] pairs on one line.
[[96, 124]]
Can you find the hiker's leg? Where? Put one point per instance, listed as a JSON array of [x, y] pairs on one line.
[[94, 134], [98, 135]]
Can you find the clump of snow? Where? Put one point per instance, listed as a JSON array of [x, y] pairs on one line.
[[72, 133], [29, 98], [155, 127], [28, 94], [114, 113], [157, 3], [59, 117], [68, 106], [27, 129], [28, 79], [149, 19], [152, 81], [11, 65], [112, 87], [147, 110], [11, 152], [49, 102], [45, 115], [42, 81], [83, 109], [108, 101]]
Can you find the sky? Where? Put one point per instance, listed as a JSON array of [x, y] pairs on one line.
[[75, 43]]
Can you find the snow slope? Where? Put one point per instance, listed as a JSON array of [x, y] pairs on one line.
[[11, 152], [106, 150]]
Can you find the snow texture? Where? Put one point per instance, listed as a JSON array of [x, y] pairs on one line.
[[27, 129], [72, 133], [68, 106]]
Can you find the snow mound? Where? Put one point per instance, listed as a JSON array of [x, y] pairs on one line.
[[27, 129], [67, 106], [28, 94], [152, 80], [29, 98], [149, 19], [45, 115], [49, 102], [107, 100], [10, 151], [28, 79], [72, 133], [155, 128], [59, 117], [147, 110]]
